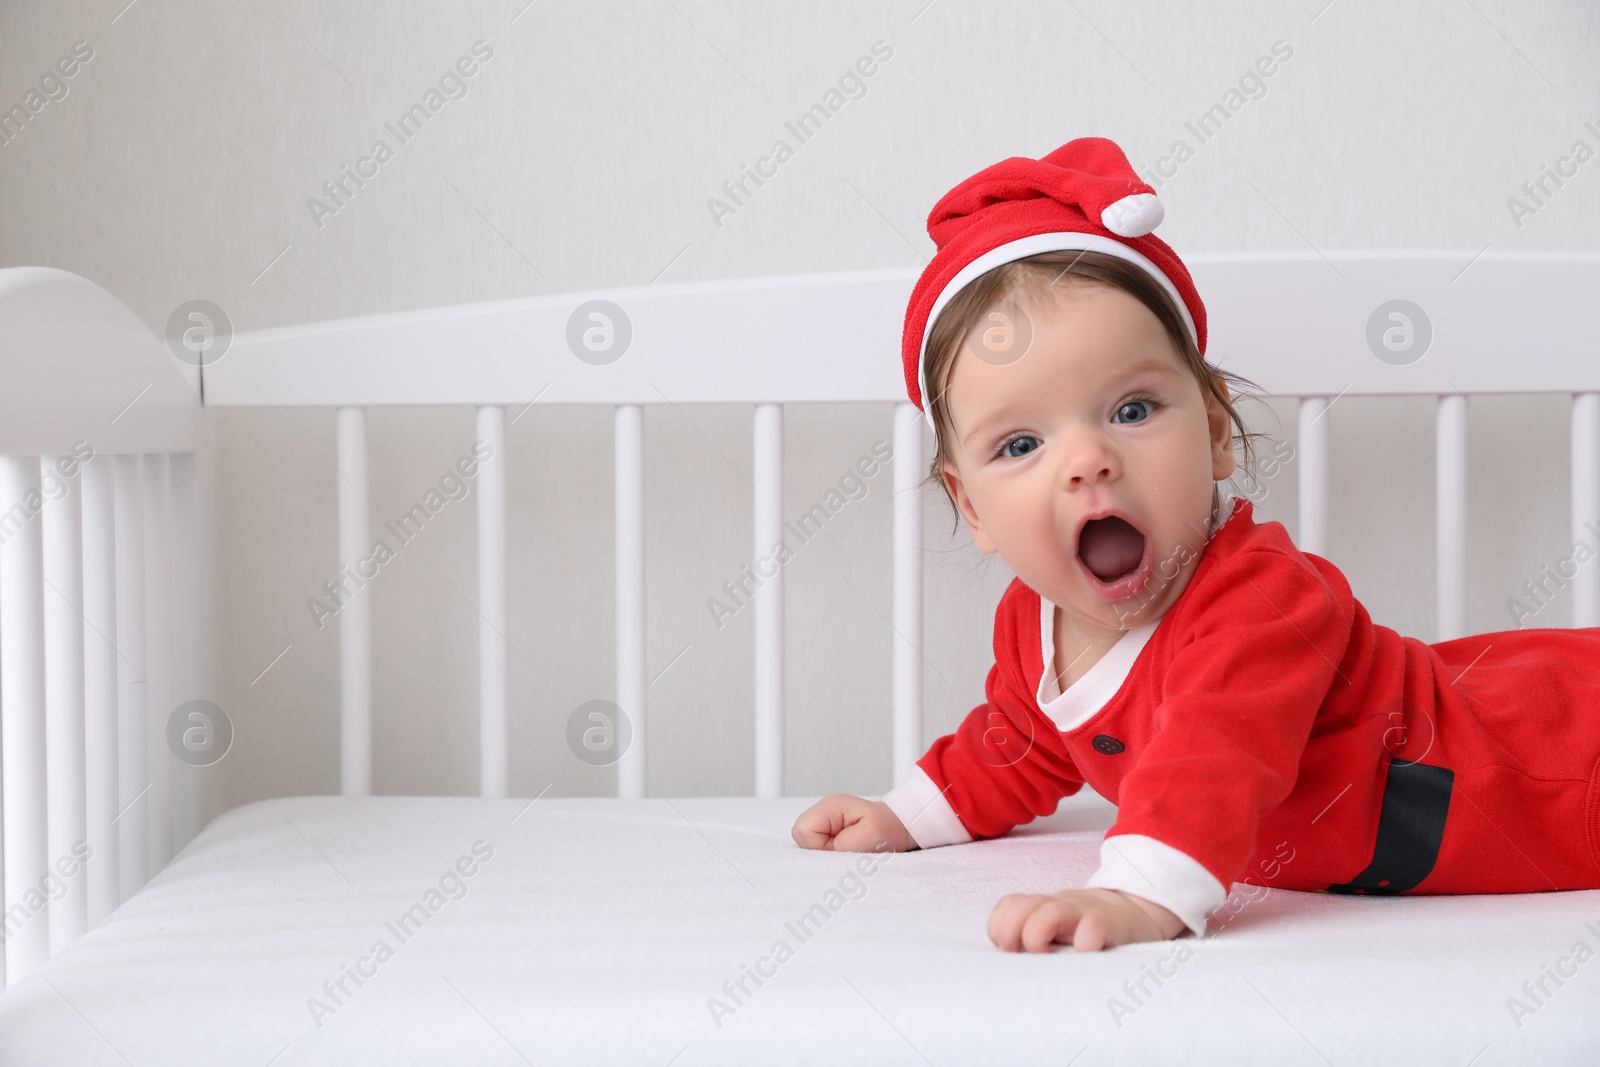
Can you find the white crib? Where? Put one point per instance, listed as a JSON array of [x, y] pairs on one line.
[[98, 587]]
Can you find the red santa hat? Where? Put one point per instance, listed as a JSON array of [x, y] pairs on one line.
[[1084, 196]]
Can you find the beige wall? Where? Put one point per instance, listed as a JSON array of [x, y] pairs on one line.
[[180, 162]]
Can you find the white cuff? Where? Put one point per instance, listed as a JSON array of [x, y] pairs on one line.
[[926, 813], [1161, 874]]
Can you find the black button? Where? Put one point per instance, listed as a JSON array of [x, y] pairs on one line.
[[1107, 745]]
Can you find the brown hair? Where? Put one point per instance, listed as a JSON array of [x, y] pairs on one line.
[[1037, 275]]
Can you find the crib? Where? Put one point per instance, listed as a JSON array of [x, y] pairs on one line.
[[645, 929]]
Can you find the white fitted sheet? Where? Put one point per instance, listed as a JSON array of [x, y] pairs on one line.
[[600, 928]]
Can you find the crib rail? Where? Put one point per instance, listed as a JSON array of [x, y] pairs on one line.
[[88, 659], [1302, 326]]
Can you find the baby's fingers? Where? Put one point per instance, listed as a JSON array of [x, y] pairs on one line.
[[1055, 920], [812, 831], [1032, 922], [1088, 930], [819, 824], [1008, 917]]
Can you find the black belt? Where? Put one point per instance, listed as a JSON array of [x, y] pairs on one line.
[[1416, 798]]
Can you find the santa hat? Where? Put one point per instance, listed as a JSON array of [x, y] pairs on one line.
[[1084, 196]]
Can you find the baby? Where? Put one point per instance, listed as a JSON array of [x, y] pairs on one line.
[[1225, 689]]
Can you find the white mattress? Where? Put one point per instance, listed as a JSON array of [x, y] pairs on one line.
[[599, 929]]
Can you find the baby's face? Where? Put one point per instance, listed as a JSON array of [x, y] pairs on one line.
[[1099, 415]]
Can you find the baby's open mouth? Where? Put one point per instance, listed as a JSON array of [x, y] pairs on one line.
[[1110, 547]]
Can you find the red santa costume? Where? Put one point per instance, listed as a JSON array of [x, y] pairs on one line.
[[1264, 729]]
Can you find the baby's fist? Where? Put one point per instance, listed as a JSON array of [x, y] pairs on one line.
[[1087, 919], [845, 823]]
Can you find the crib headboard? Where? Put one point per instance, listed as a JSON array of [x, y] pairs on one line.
[[88, 662], [1306, 326]]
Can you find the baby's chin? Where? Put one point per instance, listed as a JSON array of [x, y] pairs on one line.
[[1088, 609], [1137, 614]]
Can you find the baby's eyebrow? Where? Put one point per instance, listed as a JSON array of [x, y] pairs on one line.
[[1149, 363], [984, 424]]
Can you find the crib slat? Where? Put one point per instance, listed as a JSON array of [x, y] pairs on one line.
[[64, 727], [630, 594], [132, 777], [1451, 528], [908, 475], [1586, 503], [355, 614], [100, 684], [190, 637], [22, 716], [1313, 457], [768, 448], [158, 656], [493, 656]]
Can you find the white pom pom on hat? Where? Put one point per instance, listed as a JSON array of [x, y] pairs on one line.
[[1133, 216]]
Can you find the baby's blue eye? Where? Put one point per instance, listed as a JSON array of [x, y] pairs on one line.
[[1020, 446], [1136, 407]]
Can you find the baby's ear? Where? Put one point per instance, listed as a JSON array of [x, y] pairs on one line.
[[958, 493], [1220, 427]]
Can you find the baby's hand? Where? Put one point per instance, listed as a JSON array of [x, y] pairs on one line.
[[846, 823], [1087, 919]]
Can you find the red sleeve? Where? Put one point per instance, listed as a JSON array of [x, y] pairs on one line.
[[1236, 710], [1005, 764]]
